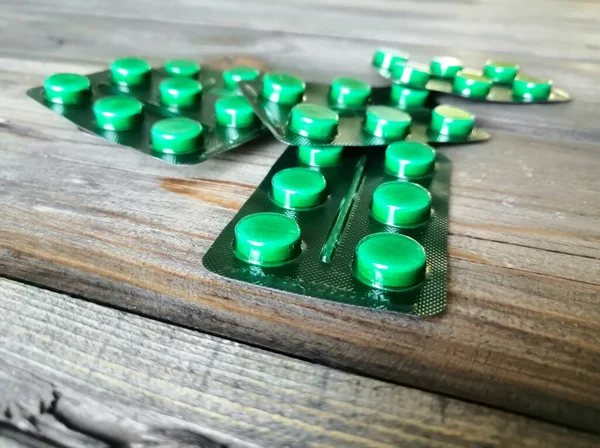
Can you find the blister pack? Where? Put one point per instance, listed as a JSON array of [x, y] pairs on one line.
[[350, 112], [499, 81], [180, 113], [356, 225]]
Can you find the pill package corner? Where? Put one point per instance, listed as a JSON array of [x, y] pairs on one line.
[[181, 113], [356, 225], [350, 112], [498, 81]]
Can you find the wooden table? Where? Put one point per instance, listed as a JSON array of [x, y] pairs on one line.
[[514, 362]]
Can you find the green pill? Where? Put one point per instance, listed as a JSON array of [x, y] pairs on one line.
[[445, 67], [117, 113], [234, 112], [349, 92], [410, 75], [390, 261], [266, 239], [179, 92], [176, 135], [471, 85], [500, 72], [320, 155], [130, 71], [283, 88], [234, 75], [407, 97], [387, 122], [314, 121], [401, 204], [67, 88], [182, 68], [386, 58], [298, 188], [532, 88], [409, 159], [452, 121]]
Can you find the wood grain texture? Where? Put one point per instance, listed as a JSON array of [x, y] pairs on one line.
[[106, 223], [111, 377]]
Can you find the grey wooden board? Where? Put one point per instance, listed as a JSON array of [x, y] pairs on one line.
[[93, 219], [320, 41], [103, 222], [112, 377]]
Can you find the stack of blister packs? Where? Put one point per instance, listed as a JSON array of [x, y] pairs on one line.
[[356, 209]]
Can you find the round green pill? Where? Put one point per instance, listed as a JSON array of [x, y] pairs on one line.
[[349, 92], [471, 85], [452, 121], [67, 88], [445, 67], [234, 112], [407, 97], [320, 155], [298, 188], [234, 75], [410, 75], [117, 113], [176, 135], [179, 92], [409, 159], [532, 88], [314, 121], [390, 261], [401, 204], [130, 71], [500, 72], [386, 58], [182, 68], [283, 88], [266, 239], [387, 122]]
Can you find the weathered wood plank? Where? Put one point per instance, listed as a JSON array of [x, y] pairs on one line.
[[121, 379], [321, 42], [109, 224]]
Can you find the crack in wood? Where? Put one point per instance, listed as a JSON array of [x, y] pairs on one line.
[[54, 414]]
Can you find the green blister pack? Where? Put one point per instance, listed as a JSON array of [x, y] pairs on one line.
[[180, 113], [355, 225], [499, 81], [350, 112]]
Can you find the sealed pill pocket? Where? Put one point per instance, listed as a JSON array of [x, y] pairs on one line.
[[349, 112], [181, 113], [354, 225], [498, 81]]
